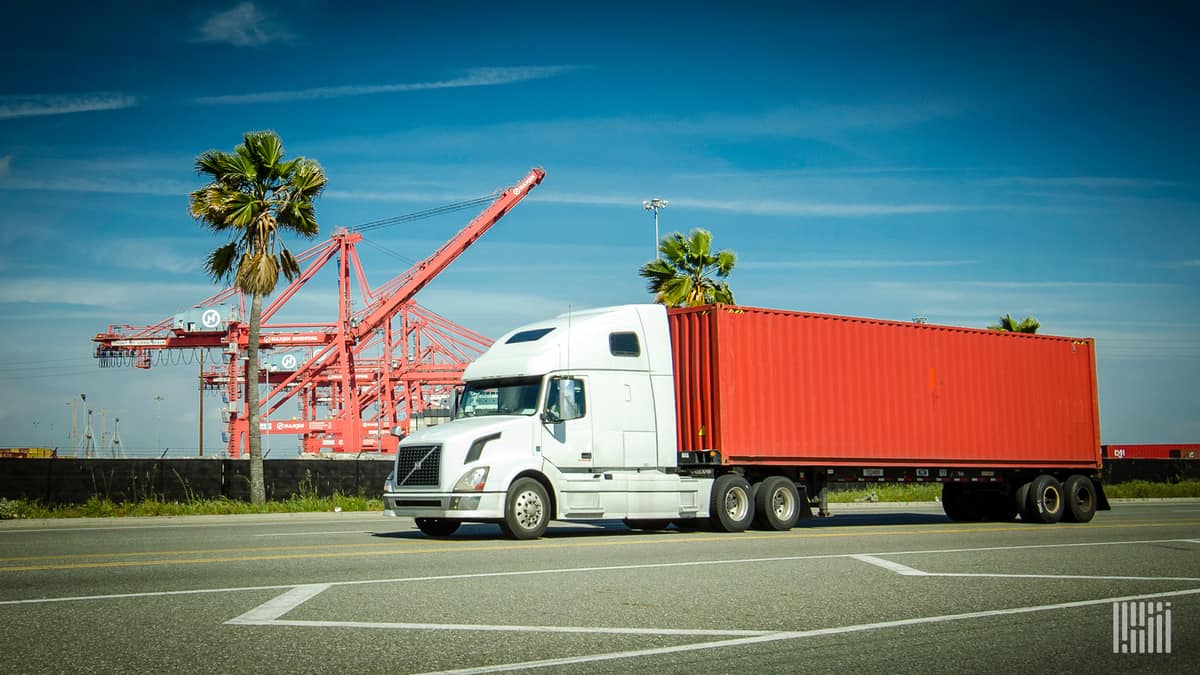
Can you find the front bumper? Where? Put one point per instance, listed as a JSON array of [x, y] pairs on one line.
[[454, 505]]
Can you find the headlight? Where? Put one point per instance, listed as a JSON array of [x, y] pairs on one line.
[[473, 480]]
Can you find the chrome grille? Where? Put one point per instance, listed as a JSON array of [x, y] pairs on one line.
[[418, 465]]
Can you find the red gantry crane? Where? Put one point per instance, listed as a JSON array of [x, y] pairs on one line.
[[380, 366]]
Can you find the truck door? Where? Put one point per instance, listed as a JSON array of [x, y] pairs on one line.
[[566, 425]]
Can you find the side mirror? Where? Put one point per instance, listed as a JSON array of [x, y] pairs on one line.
[[398, 432]]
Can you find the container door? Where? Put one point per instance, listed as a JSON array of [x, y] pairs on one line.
[[566, 425]]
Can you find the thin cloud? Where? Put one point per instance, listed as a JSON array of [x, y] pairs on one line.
[[1082, 182], [1169, 264], [103, 185], [757, 206], [245, 25], [40, 105], [474, 77], [770, 207], [1064, 284], [854, 264]]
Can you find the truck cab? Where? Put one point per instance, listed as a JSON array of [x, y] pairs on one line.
[[571, 418]]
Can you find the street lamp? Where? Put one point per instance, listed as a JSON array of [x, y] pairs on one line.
[[158, 399], [654, 205]]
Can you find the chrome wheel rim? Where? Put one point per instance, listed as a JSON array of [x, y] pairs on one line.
[[528, 509]]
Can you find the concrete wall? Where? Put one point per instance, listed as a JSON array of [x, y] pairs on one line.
[[72, 481]]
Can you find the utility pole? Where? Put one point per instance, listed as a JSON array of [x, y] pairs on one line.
[[654, 205]]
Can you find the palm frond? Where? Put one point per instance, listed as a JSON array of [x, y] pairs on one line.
[[220, 263]]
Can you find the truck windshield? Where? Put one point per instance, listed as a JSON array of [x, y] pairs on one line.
[[500, 397]]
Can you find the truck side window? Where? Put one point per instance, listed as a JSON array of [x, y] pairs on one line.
[[565, 400], [624, 344]]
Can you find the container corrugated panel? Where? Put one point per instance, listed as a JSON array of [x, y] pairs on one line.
[[768, 386]]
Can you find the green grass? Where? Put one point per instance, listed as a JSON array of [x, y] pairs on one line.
[[1141, 489], [888, 492], [98, 507]]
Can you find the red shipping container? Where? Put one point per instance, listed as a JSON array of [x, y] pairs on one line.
[[1152, 451], [765, 386]]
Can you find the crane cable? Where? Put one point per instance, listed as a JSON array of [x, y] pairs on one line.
[[427, 213]]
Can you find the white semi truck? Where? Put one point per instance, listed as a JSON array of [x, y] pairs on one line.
[[736, 416], [572, 418]]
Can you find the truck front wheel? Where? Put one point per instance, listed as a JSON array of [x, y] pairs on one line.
[[731, 507], [526, 510]]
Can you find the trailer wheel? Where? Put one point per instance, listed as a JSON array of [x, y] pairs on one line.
[[776, 504], [731, 507], [960, 504], [1046, 503], [648, 524], [1021, 500], [437, 527], [526, 510], [1080, 495]]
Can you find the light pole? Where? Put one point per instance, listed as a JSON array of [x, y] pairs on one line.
[[157, 425], [654, 205]]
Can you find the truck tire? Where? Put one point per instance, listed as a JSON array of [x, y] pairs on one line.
[[960, 504], [437, 527], [1080, 495], [1021, 500], [648, 524], [1046, 503], [731, 506], [776, 504], [526, 510]]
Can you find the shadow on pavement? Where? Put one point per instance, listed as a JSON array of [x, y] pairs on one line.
[[563, 530]]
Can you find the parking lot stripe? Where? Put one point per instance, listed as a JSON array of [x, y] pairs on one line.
[[577, 570], [889, 565], [818, 632], [600, 630], [277, 607]]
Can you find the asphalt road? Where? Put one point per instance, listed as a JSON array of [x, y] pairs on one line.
[[874, 588]]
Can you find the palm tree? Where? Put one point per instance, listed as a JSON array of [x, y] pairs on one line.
[[683, 276], [254, 197], [1011, 325]]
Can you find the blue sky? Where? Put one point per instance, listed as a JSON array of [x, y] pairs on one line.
[[888, 160]]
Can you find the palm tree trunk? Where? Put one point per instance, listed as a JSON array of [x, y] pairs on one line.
[[258, 491]]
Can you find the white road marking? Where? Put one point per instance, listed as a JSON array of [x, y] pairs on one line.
[[602, 630], [838, 630], [147, 594], [891, 566], [310, 534], [277, 607], [913, 572], [582, 570]]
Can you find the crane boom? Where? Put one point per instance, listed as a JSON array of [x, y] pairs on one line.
[[424, 272]]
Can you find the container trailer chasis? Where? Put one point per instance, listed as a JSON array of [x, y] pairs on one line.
[[735, 417]]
